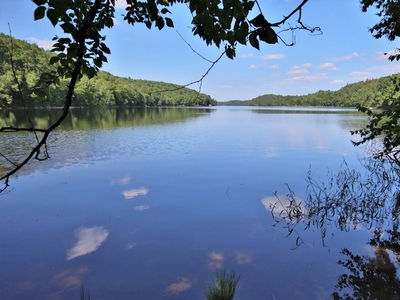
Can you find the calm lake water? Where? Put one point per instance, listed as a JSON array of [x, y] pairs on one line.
[[148, 203]]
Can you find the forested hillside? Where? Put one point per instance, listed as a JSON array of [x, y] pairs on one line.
[[104, 89], [369, 93]]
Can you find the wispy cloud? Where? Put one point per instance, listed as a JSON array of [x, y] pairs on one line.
[[275, 66], [141, 208], [384, 56], [337, 81], [247, 55], [347, 57], [307, 78], [225, 86], [45, 44], [252, 67], [307, 65], [327, 66], [360, 75], [296, 70], [273, 56]]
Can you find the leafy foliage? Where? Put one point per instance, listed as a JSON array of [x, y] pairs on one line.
[[389, 24], [370, 277], [384, 124], [103, 89]]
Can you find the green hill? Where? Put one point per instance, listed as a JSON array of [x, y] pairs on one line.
[[104, 89], [369, 93]]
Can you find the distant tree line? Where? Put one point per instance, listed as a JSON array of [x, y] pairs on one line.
[[374, 93], [104, 89]]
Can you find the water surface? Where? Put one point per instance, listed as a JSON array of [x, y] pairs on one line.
[[147, 204]]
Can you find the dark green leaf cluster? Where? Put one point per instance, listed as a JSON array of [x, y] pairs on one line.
[[84, 36], [389, 25], [214, 21], [104, 89], [384, 123]]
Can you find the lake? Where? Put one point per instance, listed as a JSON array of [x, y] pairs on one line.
[[148, 203]]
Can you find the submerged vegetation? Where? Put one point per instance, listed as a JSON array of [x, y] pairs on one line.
[[223, 287], [104, 89]]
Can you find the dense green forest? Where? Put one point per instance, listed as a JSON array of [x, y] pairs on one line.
[[104, 89], [368, 93]]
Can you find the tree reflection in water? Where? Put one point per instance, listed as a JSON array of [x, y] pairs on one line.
[[353, 199]]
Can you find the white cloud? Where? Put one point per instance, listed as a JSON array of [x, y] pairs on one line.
[[89, 240], [225, 86], [328, 67], [384, 56], [276, 66], [130, 194], [337, 81], [247, 55], [307, 65], [121, 181], [45, 44], [252, 67], [273, 56], [306, 78], [360, 75], [347, 57], [120, 4], [297, 70]]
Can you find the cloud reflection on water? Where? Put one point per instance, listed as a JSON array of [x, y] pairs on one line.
[[216, 259], [89, 240], [121, 181], [141, 208], [270, 203], [180, 286], [130, 194]]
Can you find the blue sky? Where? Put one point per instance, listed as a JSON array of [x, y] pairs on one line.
[[345, 53]]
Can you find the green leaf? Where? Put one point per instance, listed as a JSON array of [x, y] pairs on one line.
[[169, 22], [242, 33], [40, 94], [260, 21], [160, 23], [148, 24], [164, 11], [267, 35], [39, 13], [230, 52], [39, 2], [68, 28], [104, 48], [254, 41], [53, 60], [52, 15]]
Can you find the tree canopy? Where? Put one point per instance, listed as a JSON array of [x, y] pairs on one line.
[[372, 93], [103, 89]]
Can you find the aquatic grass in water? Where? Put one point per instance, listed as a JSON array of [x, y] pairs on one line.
[[82, 296], [223, 287]]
